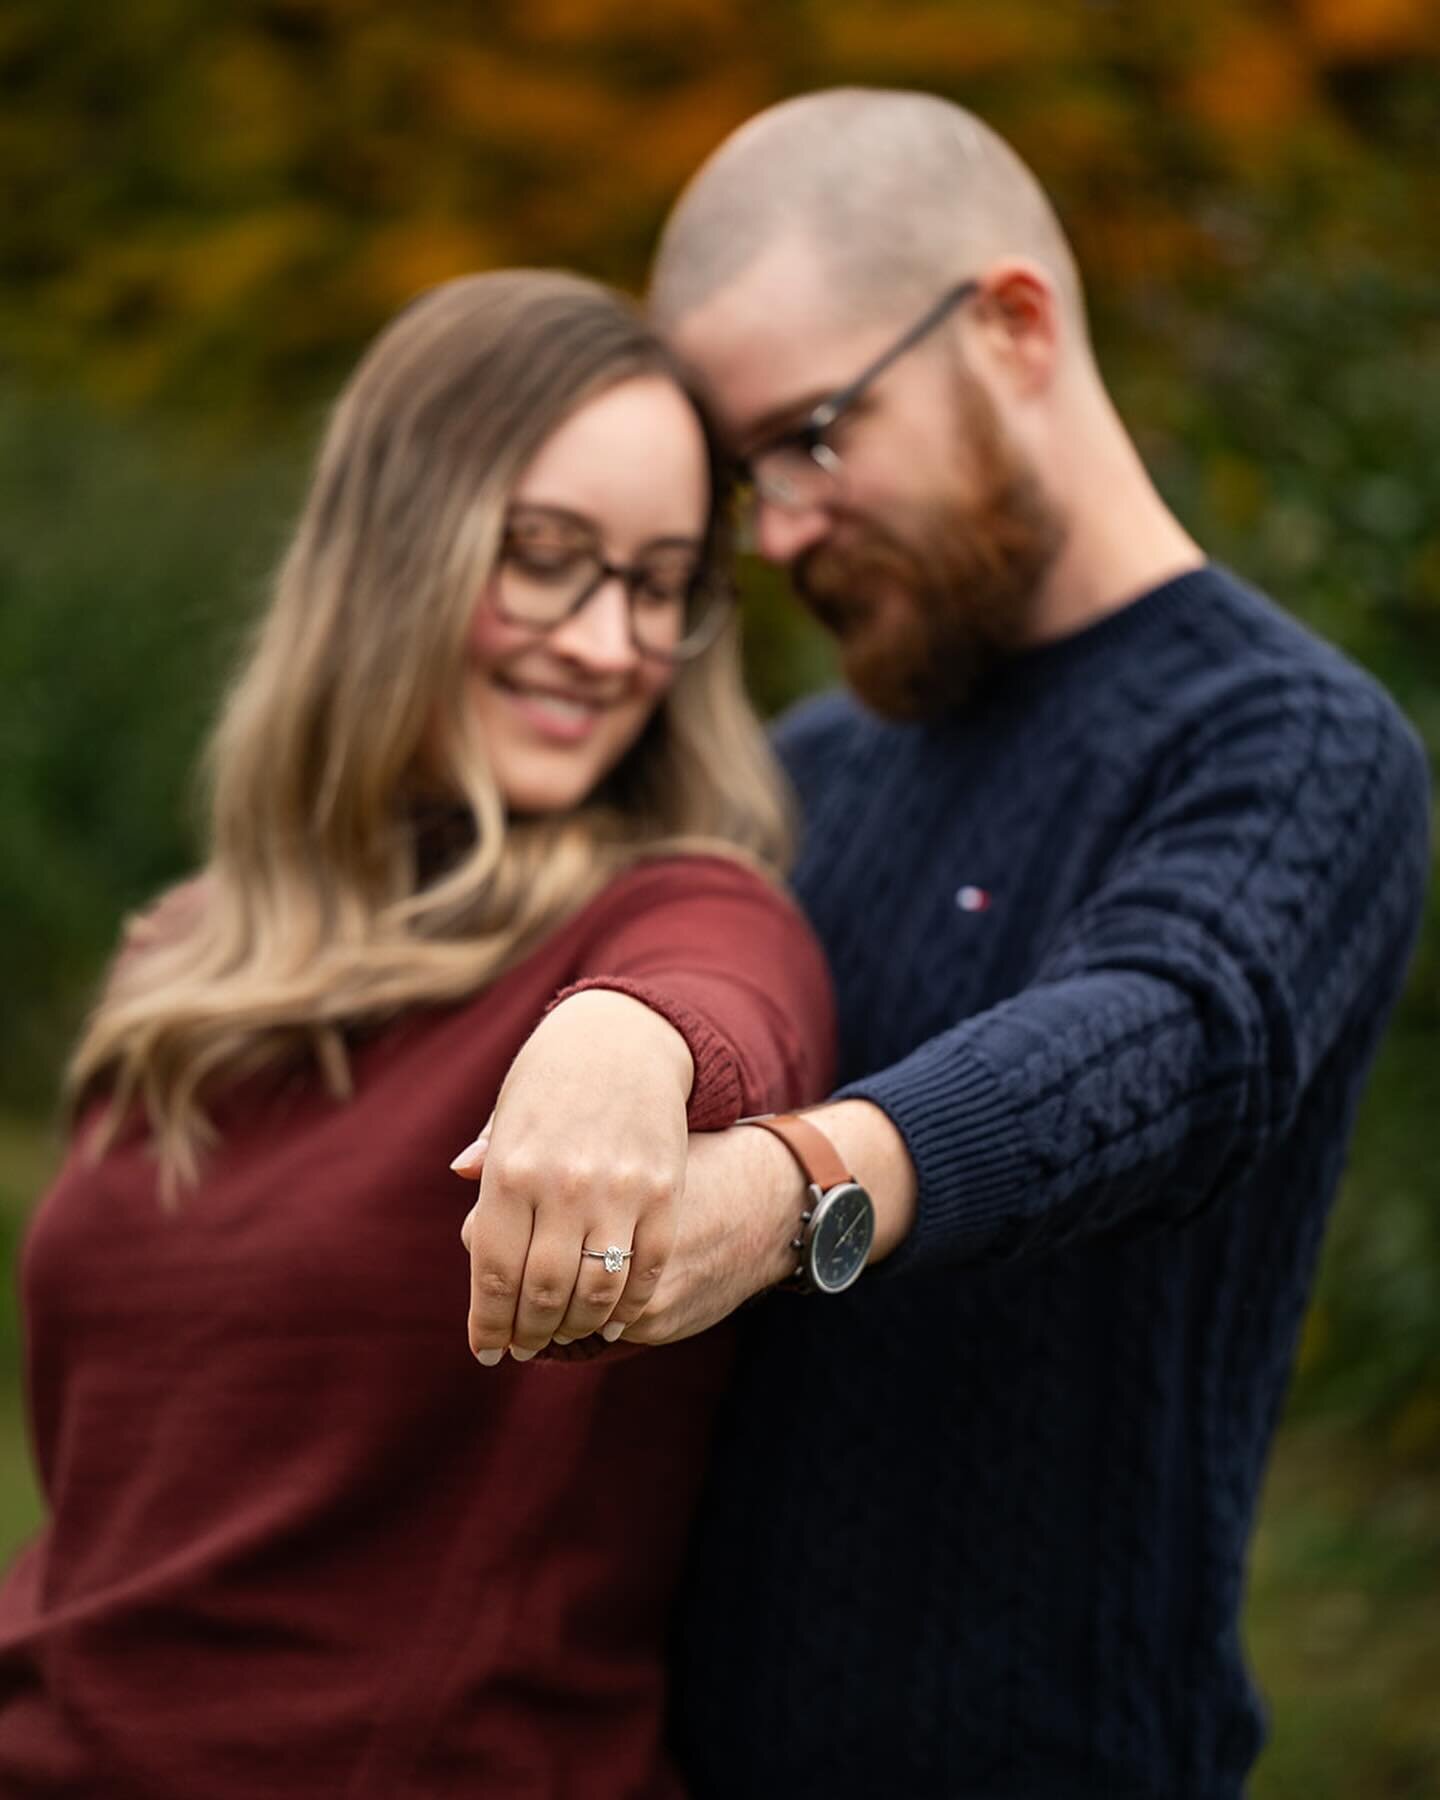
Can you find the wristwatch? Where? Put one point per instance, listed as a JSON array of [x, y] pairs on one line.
[[838, 1227]]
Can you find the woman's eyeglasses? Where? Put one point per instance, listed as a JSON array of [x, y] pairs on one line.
[[551, 565]]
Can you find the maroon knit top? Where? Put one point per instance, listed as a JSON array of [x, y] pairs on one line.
[[300, 1544]]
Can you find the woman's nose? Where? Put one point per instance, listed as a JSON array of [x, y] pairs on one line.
[[598, 634]]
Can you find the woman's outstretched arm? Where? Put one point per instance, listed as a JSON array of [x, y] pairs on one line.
[[704, 998]]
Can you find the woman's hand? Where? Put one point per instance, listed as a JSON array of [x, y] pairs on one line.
[[586, 1149]]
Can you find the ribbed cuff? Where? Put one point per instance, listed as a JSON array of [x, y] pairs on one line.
[[716, 1095], [967, 1148]]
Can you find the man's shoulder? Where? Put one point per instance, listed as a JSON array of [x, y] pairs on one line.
[[1244, 703], [1240, 627], [1244, 650]]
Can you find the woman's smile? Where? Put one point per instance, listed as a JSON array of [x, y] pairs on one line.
[[561, 717]]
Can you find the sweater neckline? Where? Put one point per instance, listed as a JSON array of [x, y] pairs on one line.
[[1147, 610]]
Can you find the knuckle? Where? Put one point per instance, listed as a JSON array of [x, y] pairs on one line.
[[516, 1172], [495, 1285], [658, 1191], [651, 1272], [545, 1294], [644, 1185], [600, 1298], [574, 1179]]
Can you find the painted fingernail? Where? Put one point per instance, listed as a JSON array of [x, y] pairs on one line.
[[519, 1354], [470, 1152], [611, 1331], [557, 1339], [488, 1357]]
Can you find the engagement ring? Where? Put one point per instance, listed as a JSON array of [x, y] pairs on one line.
[[614, 1258]]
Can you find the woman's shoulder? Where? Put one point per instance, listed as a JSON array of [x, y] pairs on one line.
[[692, 909], [165, 920], [171, 913], [699, 877]]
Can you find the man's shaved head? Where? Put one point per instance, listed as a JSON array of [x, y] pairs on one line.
[[898, 194], [794, 263]]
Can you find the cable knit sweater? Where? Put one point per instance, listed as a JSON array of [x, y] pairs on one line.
[[1114, 949]]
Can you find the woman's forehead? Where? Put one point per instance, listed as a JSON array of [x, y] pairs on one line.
[[632, 459]]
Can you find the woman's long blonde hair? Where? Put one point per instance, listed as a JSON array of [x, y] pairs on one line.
[[320, 906]]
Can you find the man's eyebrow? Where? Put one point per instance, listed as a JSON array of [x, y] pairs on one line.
[[780, 419]]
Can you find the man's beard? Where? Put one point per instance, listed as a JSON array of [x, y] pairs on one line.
[[922, 615]]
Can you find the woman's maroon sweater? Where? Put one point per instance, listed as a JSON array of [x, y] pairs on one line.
[[299, 1543]]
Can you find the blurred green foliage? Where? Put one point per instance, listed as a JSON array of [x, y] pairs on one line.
[[124, 564], [204, 212]]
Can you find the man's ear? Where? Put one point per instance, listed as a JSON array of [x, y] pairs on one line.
[[1017, 311]]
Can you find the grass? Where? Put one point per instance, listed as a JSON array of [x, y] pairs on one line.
[[1343, 1622]]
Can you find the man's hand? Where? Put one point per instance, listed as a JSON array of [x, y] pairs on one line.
[[744, 1194]]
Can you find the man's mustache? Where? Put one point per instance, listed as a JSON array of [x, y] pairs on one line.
[[838, 582]]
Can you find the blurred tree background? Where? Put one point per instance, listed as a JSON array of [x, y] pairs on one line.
[[205, 211]]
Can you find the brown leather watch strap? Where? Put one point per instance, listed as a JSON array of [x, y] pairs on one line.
[[810, 1147]]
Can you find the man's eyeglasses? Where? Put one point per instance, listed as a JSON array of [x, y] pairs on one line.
[[800, 469], [551, 565]]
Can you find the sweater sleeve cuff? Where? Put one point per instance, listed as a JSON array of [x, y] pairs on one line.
[[967, 1148], [715, 1095]]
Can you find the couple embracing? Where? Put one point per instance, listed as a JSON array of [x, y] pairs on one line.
[[1033, 1096]]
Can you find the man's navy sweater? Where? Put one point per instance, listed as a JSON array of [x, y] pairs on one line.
[[1114, 948]]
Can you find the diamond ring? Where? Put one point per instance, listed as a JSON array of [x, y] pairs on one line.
[[613, 1257]]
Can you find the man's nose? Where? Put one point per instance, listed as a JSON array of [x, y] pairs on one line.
[[598, 635], [782, 534]]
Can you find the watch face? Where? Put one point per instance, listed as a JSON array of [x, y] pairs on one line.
[[840, 1240]]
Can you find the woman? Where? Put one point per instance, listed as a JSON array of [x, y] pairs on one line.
[[490, 747]]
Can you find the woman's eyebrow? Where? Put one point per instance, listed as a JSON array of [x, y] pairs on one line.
[[673, 540], [554, 512]]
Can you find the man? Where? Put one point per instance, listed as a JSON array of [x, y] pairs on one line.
[[1118, 870]]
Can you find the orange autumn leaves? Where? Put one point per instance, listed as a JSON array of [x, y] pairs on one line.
[[226, 203]]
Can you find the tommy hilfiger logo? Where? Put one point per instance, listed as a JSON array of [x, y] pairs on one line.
[[973, 899]]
